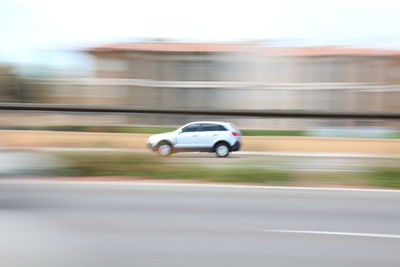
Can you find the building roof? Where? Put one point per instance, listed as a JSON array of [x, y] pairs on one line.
[[232, 47], [331, 51], [171, 47]]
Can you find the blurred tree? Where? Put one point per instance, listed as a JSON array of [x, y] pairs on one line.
[[14, 87]]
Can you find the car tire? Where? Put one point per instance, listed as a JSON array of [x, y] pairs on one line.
[[164, 149], [222, 150]]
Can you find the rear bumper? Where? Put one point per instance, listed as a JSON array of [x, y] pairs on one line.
[[236, 146]]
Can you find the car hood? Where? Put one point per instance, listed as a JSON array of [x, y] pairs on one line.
[[158, 137]]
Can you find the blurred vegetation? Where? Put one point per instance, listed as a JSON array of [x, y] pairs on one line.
[[17, 88], [273, 132], [158, 129], [395, 135], [386, 177], [145, 166], [146, 130], [103, 129]]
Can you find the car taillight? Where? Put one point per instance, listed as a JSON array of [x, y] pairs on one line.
[[234, 133]]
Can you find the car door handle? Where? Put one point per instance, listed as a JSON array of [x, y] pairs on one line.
[[195, 135]]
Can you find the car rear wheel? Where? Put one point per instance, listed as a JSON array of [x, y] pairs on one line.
[[164, 149], [222, 150]]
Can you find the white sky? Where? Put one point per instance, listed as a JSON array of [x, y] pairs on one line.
[[40, 31]]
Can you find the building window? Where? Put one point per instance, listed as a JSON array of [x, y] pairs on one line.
[[191, 71], [112, 64]]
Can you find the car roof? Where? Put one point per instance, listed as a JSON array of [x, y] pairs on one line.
[[215, 122]]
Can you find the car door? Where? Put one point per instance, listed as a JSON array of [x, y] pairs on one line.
[[211, 132], [188, 137]]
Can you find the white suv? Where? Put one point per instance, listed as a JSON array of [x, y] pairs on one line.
[[203, 136]]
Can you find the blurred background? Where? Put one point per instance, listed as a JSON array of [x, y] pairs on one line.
[[279, 55], [314, 56], [240, 75]]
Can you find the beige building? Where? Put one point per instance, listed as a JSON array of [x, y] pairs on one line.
[[231, 62], [237, 75]]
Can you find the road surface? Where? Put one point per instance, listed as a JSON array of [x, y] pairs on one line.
[[60, 224]]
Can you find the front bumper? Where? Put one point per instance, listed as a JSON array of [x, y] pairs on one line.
[[150, 147]]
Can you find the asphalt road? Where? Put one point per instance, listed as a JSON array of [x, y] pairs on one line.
[[57, 224]]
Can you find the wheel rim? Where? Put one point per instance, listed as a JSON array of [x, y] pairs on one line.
[[164, 150], [222, 150]]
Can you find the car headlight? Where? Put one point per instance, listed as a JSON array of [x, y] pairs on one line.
[[151, 140]]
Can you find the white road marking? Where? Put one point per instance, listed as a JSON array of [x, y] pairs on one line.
[[182, 185], [334, 233]]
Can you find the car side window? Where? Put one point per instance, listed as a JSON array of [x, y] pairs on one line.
[[208, 127], [191, 128]]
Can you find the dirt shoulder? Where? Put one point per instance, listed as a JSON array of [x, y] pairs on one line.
[[15, 138]]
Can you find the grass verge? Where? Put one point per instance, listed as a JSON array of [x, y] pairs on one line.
[[146, 166], [386, 177], [145, 130], [163, 129]]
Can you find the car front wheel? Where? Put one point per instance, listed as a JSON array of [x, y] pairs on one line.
[[164, 149], [222, 150]]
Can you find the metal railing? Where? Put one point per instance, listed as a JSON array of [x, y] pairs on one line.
[[301, 114]]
